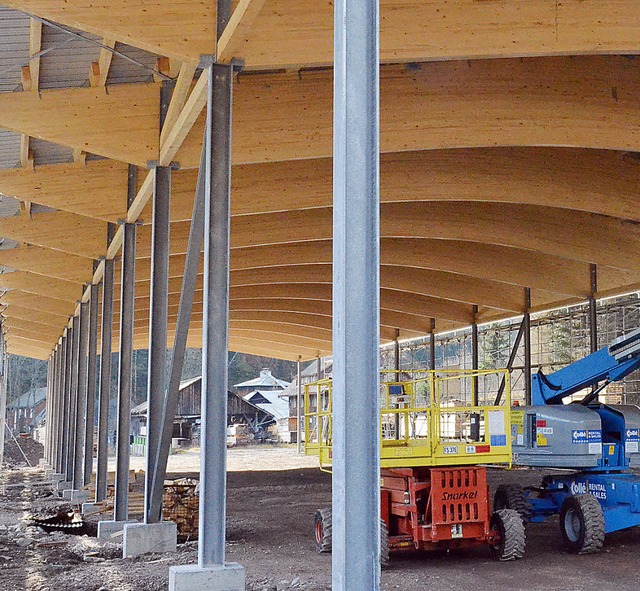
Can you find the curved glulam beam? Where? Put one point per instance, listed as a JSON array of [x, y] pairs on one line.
[[38, 284], [595, 181], [426, 282], [316, 297], [293, 34], [561, 101], [48, 262], [569, 234], [584, 101], [95, 189], [59, 230], [120, 123]]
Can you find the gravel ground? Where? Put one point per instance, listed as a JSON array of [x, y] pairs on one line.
[[270, 517]]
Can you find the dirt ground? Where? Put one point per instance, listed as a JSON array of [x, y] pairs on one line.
[[270, 516]]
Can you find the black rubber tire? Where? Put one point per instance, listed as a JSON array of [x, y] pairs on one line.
[[384, 545], [582, 524], [509, 525], [323, 534], [511, 496], [323, 531]]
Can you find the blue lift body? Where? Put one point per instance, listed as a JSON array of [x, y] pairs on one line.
[[611, 481]]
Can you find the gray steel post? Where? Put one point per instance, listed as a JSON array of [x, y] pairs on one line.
[[55, 424], [215, 338], [189, 277], [356, 301], [73, 398], [104, 391], [49, 396], [61, 466], [474, 358], [92, 362], [432, 346], [159, 307], [512, 358], [527, 347], [81, 404], [396, 367], [299, 409], [593, 317], [125, 377]]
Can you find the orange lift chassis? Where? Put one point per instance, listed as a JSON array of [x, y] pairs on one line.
[[435, 446]]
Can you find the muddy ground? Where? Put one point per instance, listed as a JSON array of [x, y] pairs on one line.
[[270, 516]]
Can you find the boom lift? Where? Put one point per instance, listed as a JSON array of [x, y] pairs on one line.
[[599, 441], [434, 437]]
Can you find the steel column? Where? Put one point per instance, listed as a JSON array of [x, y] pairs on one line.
[[125, 375], [158, 319], [61, 468], [106, 331], [299, 411], [73, 397], [474, 357], [356, 301], [92, 362], [55, 425], [215, 337], [81, 404], [189, 278], [527, 347], [432, 346], [512, 358], [593, 317]]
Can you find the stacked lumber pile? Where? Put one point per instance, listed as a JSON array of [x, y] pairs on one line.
[[180, 505]]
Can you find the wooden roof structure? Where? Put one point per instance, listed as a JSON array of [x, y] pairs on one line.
[[510, 139]]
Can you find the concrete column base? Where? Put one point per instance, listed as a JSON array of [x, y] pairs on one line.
[[63, 485], [43, 464], [54, 476], [229, 577], [75, 496], [143, 538], [91, 507], [109, 530]]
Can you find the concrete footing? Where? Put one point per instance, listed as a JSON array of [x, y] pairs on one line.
[[143, 538], [107, 529], [55, 477], [229, 577], [43, 464], [89, 508], [75, 496], [63, 485]]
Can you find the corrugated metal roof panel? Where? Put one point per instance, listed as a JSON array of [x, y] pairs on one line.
[[9, 149], [14, 48], [9, 206], [69, 62], [123, 71], [48, 153]]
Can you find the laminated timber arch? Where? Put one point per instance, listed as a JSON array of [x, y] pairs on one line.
[[595, 181], [434, 105], [287, 34]]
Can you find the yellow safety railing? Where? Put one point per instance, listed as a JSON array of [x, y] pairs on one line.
[[427, 418]]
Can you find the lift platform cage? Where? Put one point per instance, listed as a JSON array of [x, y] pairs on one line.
[[427, 418]]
